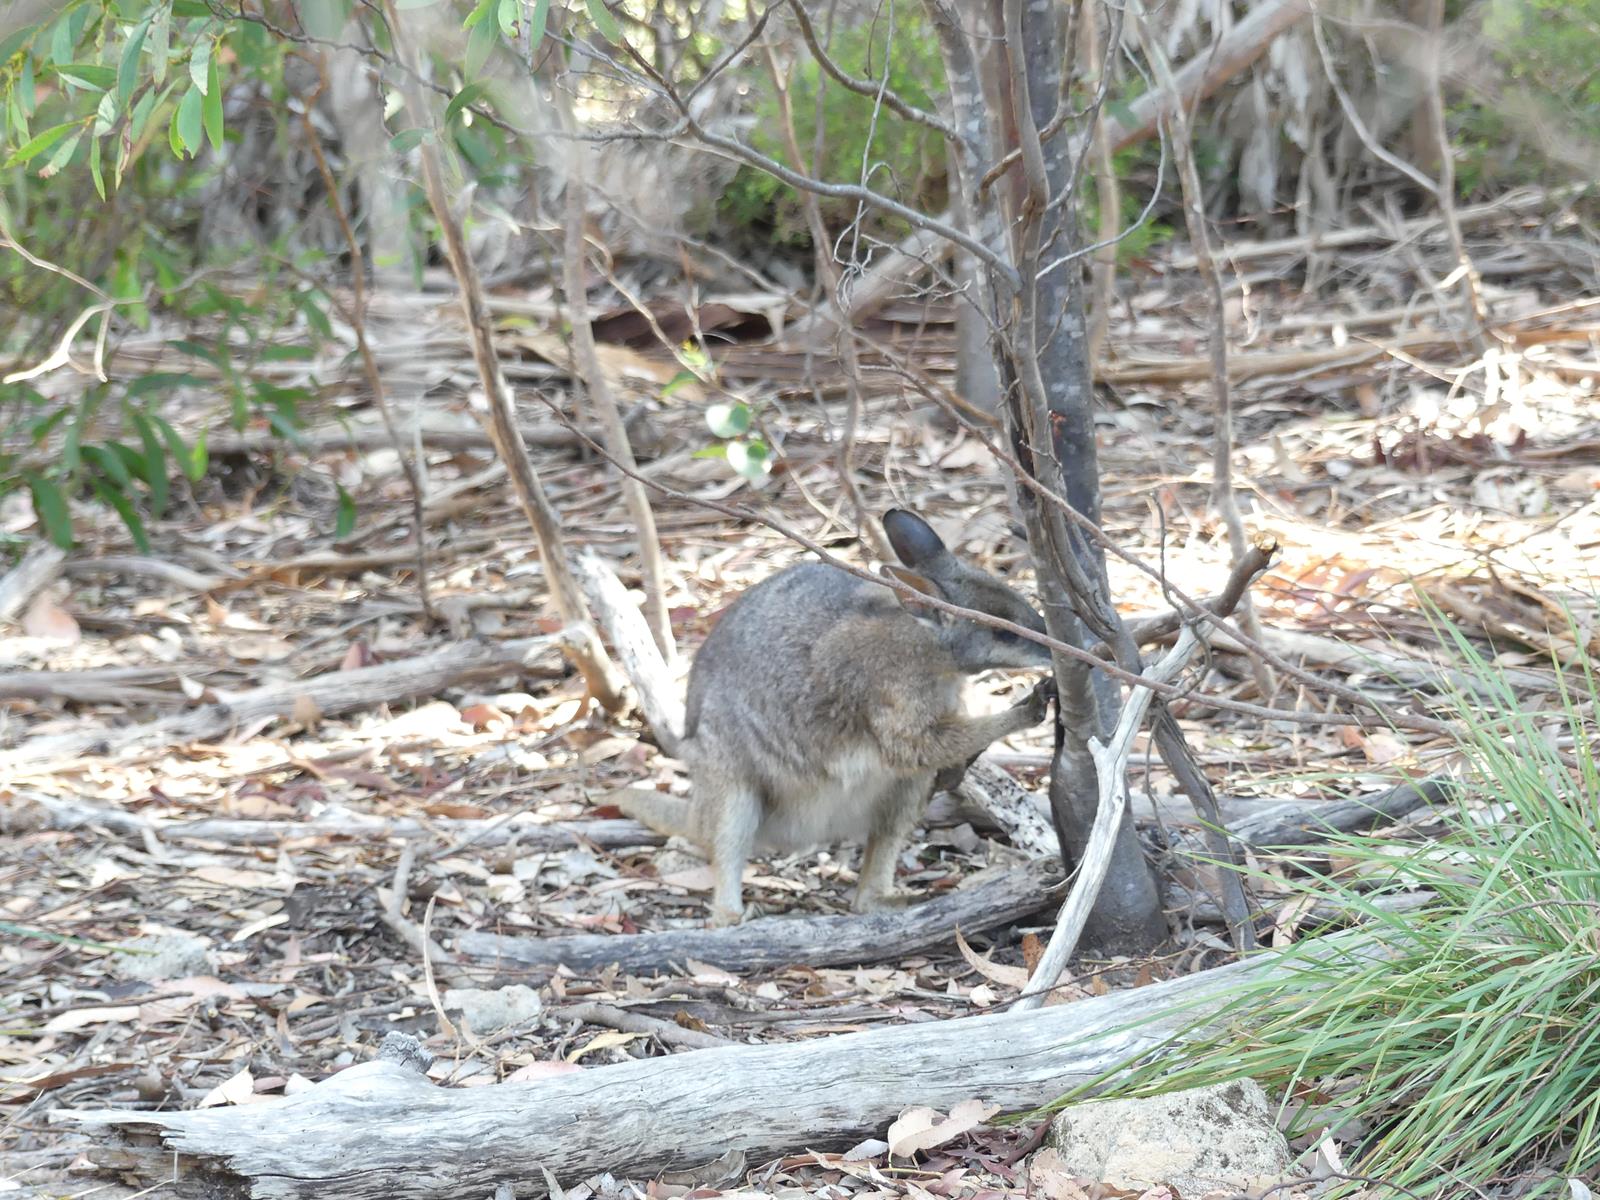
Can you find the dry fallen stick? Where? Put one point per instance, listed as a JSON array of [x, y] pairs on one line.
[[1111, 765], [306, 699], [27, 812], [1008, 895]]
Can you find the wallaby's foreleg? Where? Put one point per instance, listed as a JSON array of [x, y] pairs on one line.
[[734, 815], [893, 818], [910, 742]]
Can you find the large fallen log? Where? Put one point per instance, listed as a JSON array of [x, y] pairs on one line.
[[1008, 895], [380, 1130]]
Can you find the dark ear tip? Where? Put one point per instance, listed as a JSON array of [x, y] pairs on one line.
[[913, 539]]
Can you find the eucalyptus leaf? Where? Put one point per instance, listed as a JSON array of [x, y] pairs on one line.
[[728, 420]]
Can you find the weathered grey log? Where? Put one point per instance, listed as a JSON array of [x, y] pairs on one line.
[[39, 568], [1304, 825], [337, 691], [383, 1132], [1008, 895]]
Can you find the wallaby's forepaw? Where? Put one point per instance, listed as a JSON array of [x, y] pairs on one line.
[[1039, 700], [866, 902]]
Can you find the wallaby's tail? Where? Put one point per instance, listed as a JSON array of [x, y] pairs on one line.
[[664, 813]]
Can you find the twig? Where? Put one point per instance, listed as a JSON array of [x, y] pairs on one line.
[[586, 361], [588, 655], [356, 315], [1111, 761], [1226, 503], [669, 1032]]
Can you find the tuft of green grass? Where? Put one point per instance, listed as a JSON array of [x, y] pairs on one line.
[[1462, 1041]]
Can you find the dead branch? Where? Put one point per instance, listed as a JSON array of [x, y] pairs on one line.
[[642, 663], [28, 812], [302, 699], [589, 657], [355, 1134], [39, 568], [1111, 767], [597, 387], [1008, 895]]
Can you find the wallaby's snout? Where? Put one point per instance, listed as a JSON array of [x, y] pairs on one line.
[[931, 568]]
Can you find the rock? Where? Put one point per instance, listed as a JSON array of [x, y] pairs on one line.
[[488, 1011], [1218, 1138], [163, 955]]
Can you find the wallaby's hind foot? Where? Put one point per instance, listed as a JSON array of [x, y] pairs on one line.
[[871, 902]]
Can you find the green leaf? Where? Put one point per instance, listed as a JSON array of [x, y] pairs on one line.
[[211, 110], [108, 462], [464, 97], [181, 454], [480, 11], [681, 380], [188, 121], [536, 23], [751, 459], [720, 450], [89, 74], [61, 39], [60, 157], [115, 497], [40, 143], [50, 506], [345, 523], [507, 13], [160, 48], [94, 169], [105, 115], [173, 139], [605, 21], [407, 140], [128, 65], [16, 41], [200, 64], [289, 353], [155, 463], [728, 420], [480, 43]]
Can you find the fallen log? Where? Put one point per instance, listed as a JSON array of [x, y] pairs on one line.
[[1007, 895], [380, 1130], [337, 691]]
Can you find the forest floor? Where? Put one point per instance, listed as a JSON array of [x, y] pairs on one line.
[[1399, 466]]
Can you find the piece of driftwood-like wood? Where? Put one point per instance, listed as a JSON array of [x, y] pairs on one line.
[[1009, 894], [636, 650], [379, 1131], [39, 568], [28, 811], [305, 699], [992, 791]]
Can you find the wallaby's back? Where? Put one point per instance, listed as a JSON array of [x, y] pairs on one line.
[[772, 686]]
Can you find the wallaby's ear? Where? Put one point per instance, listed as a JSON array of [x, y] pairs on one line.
[[913, 539], [924, 587]]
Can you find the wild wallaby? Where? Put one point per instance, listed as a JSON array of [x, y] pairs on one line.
[[821, 707]]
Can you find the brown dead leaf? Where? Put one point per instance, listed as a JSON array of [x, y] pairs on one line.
[[47, 619], [359, 655], [484, 716], [79, 1018], [1011, 977]]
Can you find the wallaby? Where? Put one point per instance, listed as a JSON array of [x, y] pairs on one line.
[[822, 706]]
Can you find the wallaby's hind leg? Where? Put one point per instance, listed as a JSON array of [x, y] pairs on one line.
[[895, 815], [734, 809]]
